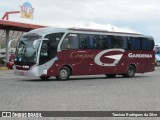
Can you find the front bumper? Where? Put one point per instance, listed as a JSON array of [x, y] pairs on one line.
[[33, 72]]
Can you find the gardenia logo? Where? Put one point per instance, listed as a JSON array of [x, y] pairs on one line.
[[131, 55]]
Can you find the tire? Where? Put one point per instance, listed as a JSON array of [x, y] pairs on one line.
[[158, 63], [64, 73], [45, 77], [130, 72], [111, 75]]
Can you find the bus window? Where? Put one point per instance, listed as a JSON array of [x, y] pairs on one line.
[[102, 42], [70, 42], [54, 39], [124, 43], [92, 42], [117, 42], [147, 44], [109, 42], [44, 49], [134, 43], [88, 41], [83, 41]]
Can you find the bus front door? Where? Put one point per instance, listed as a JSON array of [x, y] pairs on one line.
[[44, 52]]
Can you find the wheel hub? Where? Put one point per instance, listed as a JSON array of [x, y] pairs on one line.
[[63, 73]]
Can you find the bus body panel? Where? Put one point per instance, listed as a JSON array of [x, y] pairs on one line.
[[82, 62]]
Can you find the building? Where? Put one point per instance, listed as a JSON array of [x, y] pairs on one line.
[[10, 30]]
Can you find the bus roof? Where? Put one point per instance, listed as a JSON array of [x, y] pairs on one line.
[[49, 30], [101, 31]]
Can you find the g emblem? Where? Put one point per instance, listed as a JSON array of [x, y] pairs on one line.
[[116, 57]]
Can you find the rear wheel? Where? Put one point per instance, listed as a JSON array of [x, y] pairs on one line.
[[64, 73], [111, 75], [130, 72]]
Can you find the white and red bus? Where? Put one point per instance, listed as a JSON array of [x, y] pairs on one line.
[[58, 52]]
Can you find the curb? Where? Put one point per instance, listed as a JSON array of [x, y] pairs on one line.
[[4, 68]]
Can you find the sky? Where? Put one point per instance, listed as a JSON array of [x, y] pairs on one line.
[[138, 16]]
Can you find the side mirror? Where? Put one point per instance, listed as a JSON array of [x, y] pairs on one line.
[[36, 42]]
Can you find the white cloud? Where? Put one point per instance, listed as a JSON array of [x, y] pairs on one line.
[[128, 15], [109, 27]]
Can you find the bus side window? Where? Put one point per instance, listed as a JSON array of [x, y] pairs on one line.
[[129, 44], [117, 41], [54, 39], [66, 44], [125, 43], [102, 42], [147, 44], [109, 42], [135, 43], [92, 42], [83, 41], [75, 42], [70, 42]]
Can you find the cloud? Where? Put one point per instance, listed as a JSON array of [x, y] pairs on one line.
[[91, 10], [109, 27], [122, 15]]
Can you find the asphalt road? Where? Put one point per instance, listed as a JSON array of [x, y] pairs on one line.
[[81, 93]]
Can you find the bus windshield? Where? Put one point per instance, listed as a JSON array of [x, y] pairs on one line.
[[25, 52]]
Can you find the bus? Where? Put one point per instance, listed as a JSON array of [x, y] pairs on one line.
[[65, 52], [157, 57]]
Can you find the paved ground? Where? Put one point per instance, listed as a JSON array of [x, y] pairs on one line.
[[87, 93]]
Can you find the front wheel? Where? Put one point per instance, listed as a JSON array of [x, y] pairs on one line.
[[130, 72], [64, 73]]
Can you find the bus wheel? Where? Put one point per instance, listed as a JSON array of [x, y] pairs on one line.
[[45, 77], [111, 75], [130, 72], [158, 63], [64, 73]]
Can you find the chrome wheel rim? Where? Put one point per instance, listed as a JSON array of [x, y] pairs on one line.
[[63, 74]]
